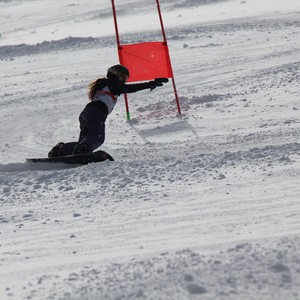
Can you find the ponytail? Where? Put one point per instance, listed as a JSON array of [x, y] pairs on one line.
[[92, 87]]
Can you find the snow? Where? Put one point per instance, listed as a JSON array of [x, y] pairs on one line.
[[199, 206]]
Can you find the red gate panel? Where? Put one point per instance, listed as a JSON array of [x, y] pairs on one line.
[[146, 61]]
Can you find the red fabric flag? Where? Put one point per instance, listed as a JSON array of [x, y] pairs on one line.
[[146, 61]]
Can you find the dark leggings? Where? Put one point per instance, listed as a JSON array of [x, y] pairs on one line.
[[92, 132]]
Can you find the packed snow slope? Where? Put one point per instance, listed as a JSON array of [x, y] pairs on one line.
[[203, 205]]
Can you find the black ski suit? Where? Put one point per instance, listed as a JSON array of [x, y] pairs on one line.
[[92, 118]]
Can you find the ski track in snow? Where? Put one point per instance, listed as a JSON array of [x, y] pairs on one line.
[[199, 206]]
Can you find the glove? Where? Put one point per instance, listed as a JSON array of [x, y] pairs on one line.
[[157, 82]]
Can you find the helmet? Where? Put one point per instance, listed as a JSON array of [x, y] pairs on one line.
[[121, 72]]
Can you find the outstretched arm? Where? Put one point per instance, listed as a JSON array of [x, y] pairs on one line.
[[132, 88]]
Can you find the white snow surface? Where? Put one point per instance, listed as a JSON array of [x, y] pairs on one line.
[[203, 205]]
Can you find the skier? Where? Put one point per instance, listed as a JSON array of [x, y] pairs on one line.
[[103, 94]]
